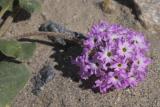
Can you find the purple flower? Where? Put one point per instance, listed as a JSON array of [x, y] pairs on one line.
[[113, 36], [115, 56], [125, 49], [115, 80], [106, 55], [141, 62], [89, 43], [132, 81], [119, 64], [100, 28]]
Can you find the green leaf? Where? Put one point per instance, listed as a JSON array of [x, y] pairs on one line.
[[17, 50], [6, 4], [30, 5], [10, 48], [13, 78], [27, 50]]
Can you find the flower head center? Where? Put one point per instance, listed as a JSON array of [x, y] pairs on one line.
[[119, 65], [95, 40], [138, 62], [116, 77], [109, 54], [136, 41], [97, 64], [124, 49]]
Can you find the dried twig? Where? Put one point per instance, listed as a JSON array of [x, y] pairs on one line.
[[6, 25], [66, 36]]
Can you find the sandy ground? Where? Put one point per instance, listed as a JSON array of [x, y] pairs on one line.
[[64, 90]]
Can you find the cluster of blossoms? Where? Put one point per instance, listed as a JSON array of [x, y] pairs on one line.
[[115, 56]]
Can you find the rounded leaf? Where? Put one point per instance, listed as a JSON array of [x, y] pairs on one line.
[[13, 78]]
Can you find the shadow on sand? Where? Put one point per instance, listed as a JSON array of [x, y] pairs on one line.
[[63, 56]]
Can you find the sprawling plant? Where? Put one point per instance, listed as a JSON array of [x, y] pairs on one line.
[[13, 73], [115, 56], [9, 5], [14, 6]]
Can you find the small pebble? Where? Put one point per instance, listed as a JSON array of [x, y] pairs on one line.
[[54, 27], [45, 75]]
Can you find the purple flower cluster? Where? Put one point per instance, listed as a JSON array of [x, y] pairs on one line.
[[115, 56]]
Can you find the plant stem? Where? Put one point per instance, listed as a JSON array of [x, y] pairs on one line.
[[6, 25], [7, 22], [67, 36], [3, 11]]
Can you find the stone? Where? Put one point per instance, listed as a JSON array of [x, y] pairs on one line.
[[51, 26], [45, 75], [150, 13]]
